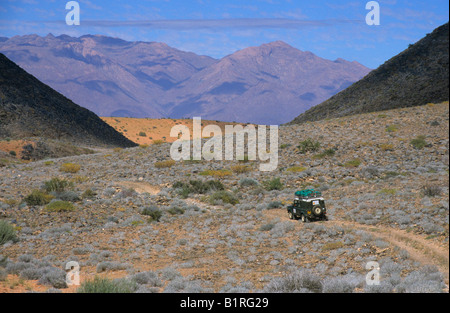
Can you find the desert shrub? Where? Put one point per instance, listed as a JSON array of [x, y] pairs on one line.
[[57, 185], [7, 232], [341, 284], [216, 173], [158, 142], [387, 191], [176, 210], [53, 277], [104, 285], [147, 278], [431, 191], [299, 281], [326, 153], [3, 274], [198, 187], [142, 134], [241, 169], [248, 182], [353, 163], [274, 205], [38, 197], [110, 266], [165, 164], [308, 145], [267, 227], [387, 147], [88, 194], [127, 193], [60, 206], [70, 168], [419, 143], [296, 169], [273, 184], [392, 128], [70, 196], [224, 197], [153, 212], [332, 245]]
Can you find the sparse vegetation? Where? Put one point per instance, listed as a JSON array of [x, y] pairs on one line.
[[273, 184], [104, 285], [353, 163], [60, 206], [308, 145], [165, 164], [222, 197], [419, 143], [7, 232], [57, 185], [216, 173], [38, 197], [70, 168]]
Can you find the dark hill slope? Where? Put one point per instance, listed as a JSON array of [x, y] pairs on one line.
[[416, 76], [29, 108]]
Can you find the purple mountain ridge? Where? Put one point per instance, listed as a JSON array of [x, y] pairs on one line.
[[269, 84]]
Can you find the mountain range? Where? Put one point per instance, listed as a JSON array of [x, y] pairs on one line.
[[268, 84], [417, 76]]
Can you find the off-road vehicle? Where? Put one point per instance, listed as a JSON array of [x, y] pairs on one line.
[[308, 205]]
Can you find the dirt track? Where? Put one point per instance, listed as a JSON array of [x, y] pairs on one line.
[[420, 249]]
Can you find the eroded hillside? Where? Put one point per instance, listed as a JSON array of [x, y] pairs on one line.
[[136, 215]]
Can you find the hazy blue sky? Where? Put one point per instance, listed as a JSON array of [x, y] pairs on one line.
[[330, 29]]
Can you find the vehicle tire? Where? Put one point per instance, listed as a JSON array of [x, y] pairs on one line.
[[317, 211], [304, 219], [291, 215]]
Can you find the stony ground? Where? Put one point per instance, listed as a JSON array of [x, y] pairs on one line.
[[387, 198]]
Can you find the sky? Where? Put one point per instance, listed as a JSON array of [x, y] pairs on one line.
[[329, 29]]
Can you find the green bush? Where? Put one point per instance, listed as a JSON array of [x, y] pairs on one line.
[[88, 194], [60, 206], [70, 168], [176, 211], [198, 187], [153, 213], [353, 163], [419, 143], [308, 145], [105, 285], [38, 197], [224, 196], [326, 153], [273, 184], [57, 185], [7, 233]]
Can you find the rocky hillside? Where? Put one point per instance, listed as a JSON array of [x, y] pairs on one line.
[[199, 226], [29, 108], [113, 77], [416, 76]]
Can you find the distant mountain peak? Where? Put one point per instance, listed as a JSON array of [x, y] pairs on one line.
[[266, 84]]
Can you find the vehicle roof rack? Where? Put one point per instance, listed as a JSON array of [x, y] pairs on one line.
[[308, 193]]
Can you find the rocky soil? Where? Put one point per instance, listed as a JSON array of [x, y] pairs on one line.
[[384, 177]]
